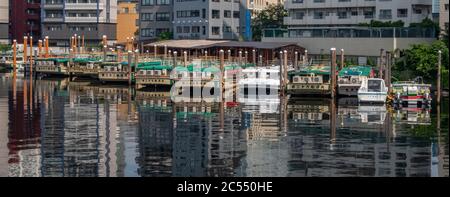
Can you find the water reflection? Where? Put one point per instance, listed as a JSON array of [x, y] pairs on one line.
[[57, 127]]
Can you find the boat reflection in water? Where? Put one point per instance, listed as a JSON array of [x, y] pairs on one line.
[[57, 127]]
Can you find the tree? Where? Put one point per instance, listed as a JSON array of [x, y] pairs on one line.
[[167, 35], [271, 17], [421, 60], [5, 47], [428, 23]]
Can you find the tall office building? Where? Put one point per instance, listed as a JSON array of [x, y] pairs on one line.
[[25, 19], [4, 21], [91, 18], [155, 18], [256, 6]]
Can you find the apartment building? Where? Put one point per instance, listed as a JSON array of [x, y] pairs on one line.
[[127, 19], [194, 19], [4, 21], [155, 18], [319, 25], [92, 18], [256, 6], [24, 19], [443, 14]]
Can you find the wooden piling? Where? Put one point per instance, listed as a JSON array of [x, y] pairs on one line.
[[31, 55], [305, 61], [25, 48], [438, 99], [240, 59], [260, 61], [46, 47], [222, 75], [342, 60], [296, 60], [254, 57], [165, 51], [40, 48], [281, 75], [333, 73], [387, 70], [185, 58], [129, 66], [229, 56], [381, 64], [285, 66], [174, 59], [14, 57], [245, 58]]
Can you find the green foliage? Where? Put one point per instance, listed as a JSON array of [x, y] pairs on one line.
[[371, 62], [421, 60], [445, 36], [136, 33], [374, 23], [427, 23], [271, 17], [165, 36], [5, 47]]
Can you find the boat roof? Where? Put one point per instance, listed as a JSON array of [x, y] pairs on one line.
[[316, 69], [355, 71], [58, 60]]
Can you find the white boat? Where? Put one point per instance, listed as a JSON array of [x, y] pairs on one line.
[[372, 90], [266, 78]]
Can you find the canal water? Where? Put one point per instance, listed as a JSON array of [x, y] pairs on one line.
[[53, 127]]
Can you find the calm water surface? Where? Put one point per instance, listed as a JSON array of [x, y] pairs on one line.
[[55, 128]]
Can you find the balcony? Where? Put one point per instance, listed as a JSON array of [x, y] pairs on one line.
[[327, 20], [293, 4], [82, 19], [52, 19], [53, 6], [83, 6]]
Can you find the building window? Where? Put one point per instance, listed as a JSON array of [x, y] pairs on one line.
[[318, 15], [344, 0], [215, 13], [299, 15], [146, 16], [401, 13], [179, 30], [195, 29], [354, 13], [236, 14], [147, 32], [186, 29], [297, 1], [417, 11], [188, 13], [227, 14], [385, 14], [227, 29], [162, 16], [161, 30], [368, 14], [215, 0], [319, 1], [162, 2], [148, 2], [342, 14], [215, 30]]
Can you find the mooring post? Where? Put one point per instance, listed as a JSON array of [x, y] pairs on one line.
[[155, 50], [222, 75], [246, 58], [25, 48], [342, 60], [46, 47], [240, 59], [295, 60], [438, 99], [14, 57], [285, 66], [305, 61], [130, 61], [254, 57], [260, 61], [387, 71], [333, 73], [31, 55], [381, 64], [165, 51], [229, 55], [281, 74], [174, 59], [185, 58], [40, 48]]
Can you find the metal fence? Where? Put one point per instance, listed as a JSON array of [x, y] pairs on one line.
[[397, 32]]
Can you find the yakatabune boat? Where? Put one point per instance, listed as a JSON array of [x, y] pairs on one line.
[[52, 66], [350, 78], [411, 92]]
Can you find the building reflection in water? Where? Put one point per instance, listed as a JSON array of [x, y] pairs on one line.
[[61, 128]]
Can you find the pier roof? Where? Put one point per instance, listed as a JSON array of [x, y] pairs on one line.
[[203, 44]]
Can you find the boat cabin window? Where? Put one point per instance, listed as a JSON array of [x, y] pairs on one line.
[[374, 86]]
